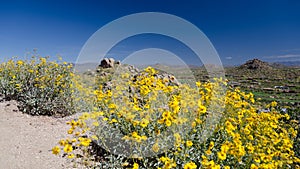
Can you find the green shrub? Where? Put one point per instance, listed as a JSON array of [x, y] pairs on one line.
[[143, 122], [41, 87]]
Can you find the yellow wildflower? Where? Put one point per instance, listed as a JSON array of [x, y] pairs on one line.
[[190, 165], [135, 166], [68, 148], [55, 150], [189, 143]]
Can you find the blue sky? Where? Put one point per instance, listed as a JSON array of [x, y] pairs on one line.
[[239, 30]]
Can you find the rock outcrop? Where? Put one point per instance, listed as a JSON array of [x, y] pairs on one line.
[[255, 64], [109, 68], [109, 63]]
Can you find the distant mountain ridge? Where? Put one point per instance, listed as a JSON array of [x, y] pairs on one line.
[[288, 63], [253, 64]]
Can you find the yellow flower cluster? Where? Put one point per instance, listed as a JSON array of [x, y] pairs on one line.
[[168, 163], [190, 165], [253, 139], [42, 87], [145, 106], [78, 130]]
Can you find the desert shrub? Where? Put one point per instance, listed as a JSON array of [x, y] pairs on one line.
[[294, 113], [146, 122], [41, 87]]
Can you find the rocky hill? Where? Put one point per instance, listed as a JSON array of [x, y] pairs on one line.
[[256, 64]]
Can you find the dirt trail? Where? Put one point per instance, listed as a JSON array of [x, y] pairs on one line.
[[26, 141]]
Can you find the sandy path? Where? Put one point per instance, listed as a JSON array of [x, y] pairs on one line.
[[26, 141]]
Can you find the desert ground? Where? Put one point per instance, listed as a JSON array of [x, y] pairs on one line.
[[26, 141]]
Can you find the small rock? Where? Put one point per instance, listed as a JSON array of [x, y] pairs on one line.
[[118, 62]]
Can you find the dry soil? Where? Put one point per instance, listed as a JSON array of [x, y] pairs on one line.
[[26, 141]]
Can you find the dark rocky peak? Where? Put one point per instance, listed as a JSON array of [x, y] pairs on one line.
[[256, 64]]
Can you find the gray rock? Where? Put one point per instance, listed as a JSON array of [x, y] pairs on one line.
[[107, 63], [118, 62]]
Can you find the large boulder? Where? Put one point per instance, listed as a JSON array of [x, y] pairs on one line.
[[107, 63]]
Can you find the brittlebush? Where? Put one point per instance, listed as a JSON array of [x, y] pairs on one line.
[[41, 87], [143, 121]]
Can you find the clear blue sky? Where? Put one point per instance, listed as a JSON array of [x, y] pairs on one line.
[[239, 30]]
